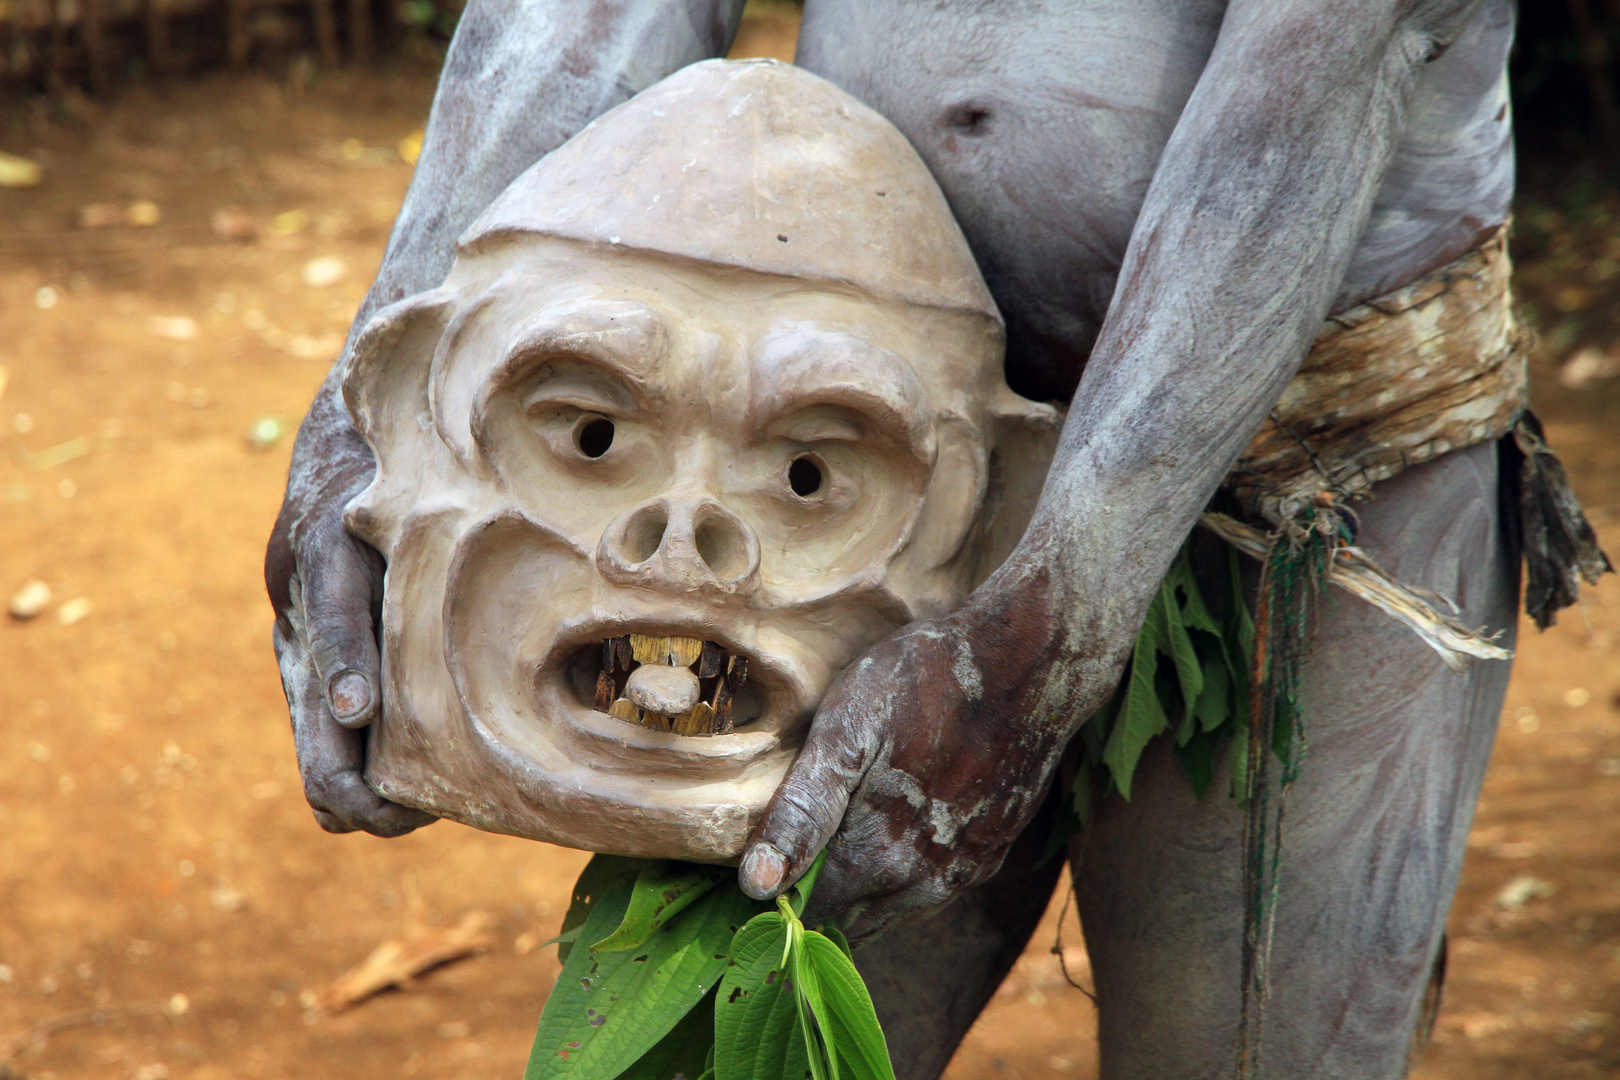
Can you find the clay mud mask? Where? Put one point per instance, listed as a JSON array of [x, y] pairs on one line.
[[711, 401]]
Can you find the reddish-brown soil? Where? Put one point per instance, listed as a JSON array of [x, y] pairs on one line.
[[167, 906]]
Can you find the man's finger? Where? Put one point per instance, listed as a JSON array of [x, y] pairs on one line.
[[340, 577], [806, 810], [331, 822], [330, 757], [345, 797]]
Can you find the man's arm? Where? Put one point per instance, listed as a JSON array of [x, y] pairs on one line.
[[519, 80], [935, 750]]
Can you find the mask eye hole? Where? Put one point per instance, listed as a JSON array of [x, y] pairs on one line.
[[594, 436], [805, 477]]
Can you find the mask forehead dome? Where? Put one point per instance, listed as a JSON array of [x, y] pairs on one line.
[[758, 165]]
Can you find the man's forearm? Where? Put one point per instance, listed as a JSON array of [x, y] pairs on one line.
[[1253, 215]]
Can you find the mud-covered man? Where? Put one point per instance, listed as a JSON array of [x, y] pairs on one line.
[[1167, 198]]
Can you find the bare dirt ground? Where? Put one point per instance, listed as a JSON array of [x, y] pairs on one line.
[[167, 906]]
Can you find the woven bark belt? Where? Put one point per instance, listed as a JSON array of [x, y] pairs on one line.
[[1435, 366]]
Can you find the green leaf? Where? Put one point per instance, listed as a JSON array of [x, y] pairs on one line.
[[1238, 761], [799, 894], [608, 1009], [1159, 691], [1237, 626], [1198, 760], [1178, 643], [565, 939], [822, 1059], [599, 875], [1214, 705], [1194, 612], [1141, 715], [756, 1022], [844, 1012], [836, 936], [662, 891], [684, 1052]]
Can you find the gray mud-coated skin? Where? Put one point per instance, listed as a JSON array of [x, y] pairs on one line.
[[1375, 833], [1167, 198], [930, 979], [1377, 827]]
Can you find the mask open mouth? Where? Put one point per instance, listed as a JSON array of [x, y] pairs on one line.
[[682, 685]]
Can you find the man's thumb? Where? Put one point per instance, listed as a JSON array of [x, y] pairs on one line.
[[339, 585], [805, 811]]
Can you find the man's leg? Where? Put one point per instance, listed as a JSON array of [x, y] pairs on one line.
[[930, 980], [1376, 826]]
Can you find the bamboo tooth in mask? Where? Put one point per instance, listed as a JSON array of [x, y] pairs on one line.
[[737, 674], [684, 651], [699, 720], [712, 660], [647, 649]]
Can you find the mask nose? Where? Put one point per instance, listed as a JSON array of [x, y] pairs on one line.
[[680, 544]]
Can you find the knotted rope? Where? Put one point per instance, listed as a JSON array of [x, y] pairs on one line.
[[1292, 576]]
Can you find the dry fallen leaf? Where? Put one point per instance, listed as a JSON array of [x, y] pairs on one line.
[[143, 213], [325, 271], [16, 172], [173, 327], [264, 433], [30, 600], [100, 216], [1477, 1025], [401, 959], [410, 147], [314, 347], [73, 611], [289, 222], [1523, 889], [1587, 366], [233, 223], [227, 898]]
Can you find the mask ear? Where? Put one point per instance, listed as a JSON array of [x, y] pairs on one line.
[[978, 503], [386, 390], [929, 571], [1023, 438]]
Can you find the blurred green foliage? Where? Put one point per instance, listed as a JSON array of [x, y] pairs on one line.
[[433, 17]]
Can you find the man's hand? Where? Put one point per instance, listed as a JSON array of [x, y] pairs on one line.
[[326, 587], [925, 761]]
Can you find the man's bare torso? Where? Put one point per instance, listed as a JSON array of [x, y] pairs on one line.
[[1044, 120]]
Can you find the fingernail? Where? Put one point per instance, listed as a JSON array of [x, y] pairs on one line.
[[762, 871], [350, 694]]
